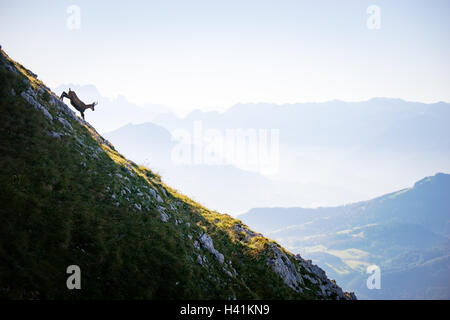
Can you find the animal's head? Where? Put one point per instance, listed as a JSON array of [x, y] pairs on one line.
[[70, 90], [93, 105]]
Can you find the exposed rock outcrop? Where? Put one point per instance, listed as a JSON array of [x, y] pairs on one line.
[[285, 268], [207, 243]]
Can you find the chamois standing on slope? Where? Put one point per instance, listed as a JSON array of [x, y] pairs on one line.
[[77, 103]]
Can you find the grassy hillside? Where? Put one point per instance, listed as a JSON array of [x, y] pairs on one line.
[[68, 197]]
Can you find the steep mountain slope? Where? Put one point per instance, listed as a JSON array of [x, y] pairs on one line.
[[406, 233], [68, 197]]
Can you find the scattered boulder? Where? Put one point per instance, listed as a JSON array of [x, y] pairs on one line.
[[54, 134], [202, 260], [65, 123], [207, 243], [62, 107], [30, 97], [164, 216], [196, 245], [249, 234], [228, 272]]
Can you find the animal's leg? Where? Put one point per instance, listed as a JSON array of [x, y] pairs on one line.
[[63, 95], [82, 114]]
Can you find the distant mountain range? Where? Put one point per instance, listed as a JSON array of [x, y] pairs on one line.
[[224, 187], [348, 145], [329, 153], [384, 123], [405, 233]]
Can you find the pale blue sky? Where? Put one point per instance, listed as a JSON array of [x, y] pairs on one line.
[[213, 54]]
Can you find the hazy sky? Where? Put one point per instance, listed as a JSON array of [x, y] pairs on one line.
[[203, 54]]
